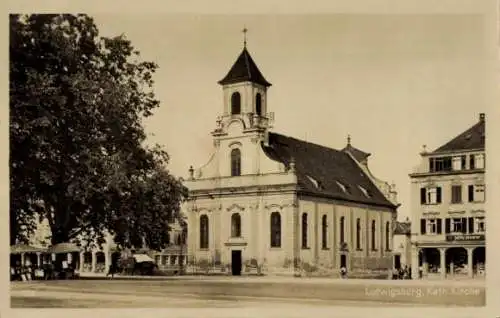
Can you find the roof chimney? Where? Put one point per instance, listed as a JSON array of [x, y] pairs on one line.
[[481, 117]]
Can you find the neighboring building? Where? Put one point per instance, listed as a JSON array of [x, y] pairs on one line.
[[402, 244], [173, 258], [98, 260], [448, 216], [278, 203]]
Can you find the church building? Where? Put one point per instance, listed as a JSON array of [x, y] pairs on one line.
[[272, 203]]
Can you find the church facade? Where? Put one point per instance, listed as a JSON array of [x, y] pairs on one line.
[[273, 203]]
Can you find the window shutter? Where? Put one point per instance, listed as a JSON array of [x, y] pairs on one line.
[[439, 226], [422, 195], [464, 225], [447, 225], [471, 193], [438, 195], [422, 226], [471, 225]]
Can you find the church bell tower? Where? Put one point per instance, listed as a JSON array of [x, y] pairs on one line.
[[245, 96]]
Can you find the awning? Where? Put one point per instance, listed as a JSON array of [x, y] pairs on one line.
[[141, 258], [64, 248], [24, 248]]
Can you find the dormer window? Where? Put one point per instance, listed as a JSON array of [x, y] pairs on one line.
[[316, 183], [365, 191], [235, 103], [344, 187]]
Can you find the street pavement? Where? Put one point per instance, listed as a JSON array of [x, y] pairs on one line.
[[231, 292]]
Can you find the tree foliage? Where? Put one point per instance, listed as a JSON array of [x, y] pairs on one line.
[[77, 154]]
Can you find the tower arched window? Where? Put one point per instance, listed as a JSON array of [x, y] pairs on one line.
[[258, 104], [275, 229], [204, 231], [324, 232], [358, 234], [387, 236], [304, 230], [374, 246], [184, 235], [342, 228], [235, 103], [235, 225], [235, 162]]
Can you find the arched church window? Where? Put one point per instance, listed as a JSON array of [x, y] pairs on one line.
[[374, 246], [204, 231], [324, 231], [387, 236], [342, 228], [358, 234], [235, 103], [235, 225], [235, 162], [275, 229], [304, 230], [258, 104]]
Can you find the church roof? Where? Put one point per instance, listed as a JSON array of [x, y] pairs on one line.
[[244, 70], [359, 155], [325, 172], [471, 139]]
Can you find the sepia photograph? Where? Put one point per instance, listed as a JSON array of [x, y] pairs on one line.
[[306, 161]]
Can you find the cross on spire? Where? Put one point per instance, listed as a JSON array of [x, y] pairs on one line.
[[245, 30]]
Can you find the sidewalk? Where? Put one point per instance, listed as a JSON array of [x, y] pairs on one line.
[[476, 282]]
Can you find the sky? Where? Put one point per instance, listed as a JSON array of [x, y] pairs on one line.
[[391, 82]]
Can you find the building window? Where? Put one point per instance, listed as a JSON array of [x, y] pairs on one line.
[[456, 225], [235, 162], [387, 236], [456, 194], [472, 162], [304, 230], [479, 161], [275, 229], [258, 104], [480, 225], [358, 234], [457, 163], [204, 231], [373, 238], [430, 226], [440, 164], [235, 103], [464, 162], [342, 238], [476, 193], [430, 195], [235, 225], [324, 232]]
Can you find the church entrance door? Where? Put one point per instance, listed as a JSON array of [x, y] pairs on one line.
[[236, 262], [343, 261]]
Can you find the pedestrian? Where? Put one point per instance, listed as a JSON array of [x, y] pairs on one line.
[[111, 271], [343, 272]]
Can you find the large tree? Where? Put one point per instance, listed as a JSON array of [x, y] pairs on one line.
[[77, 154]]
